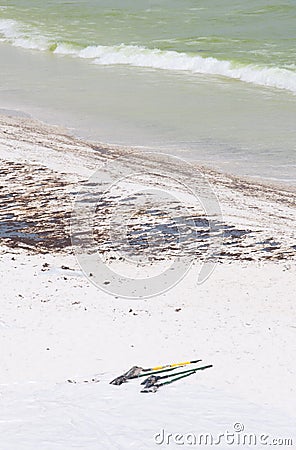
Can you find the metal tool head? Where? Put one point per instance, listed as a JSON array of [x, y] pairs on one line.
[[150, 381], [133, 372]]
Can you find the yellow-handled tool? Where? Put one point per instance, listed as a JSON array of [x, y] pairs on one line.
[[171, 365]]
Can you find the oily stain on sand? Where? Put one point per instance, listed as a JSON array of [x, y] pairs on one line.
[[155, 233], [36, 209]]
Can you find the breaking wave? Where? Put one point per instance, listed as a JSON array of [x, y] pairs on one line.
[[133, 55]]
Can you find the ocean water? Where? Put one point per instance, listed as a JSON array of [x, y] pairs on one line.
[[211, 81]]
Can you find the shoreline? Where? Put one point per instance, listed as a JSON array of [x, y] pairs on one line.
[[19, 118], [79, 139]]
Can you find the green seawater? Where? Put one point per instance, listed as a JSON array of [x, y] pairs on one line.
[[253, 32]]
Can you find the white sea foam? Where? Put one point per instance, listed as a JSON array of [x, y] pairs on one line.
[[9, 29], [137, 56], [22, 36], [170, 60]]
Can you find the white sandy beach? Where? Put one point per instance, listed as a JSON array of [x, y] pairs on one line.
[[57, 326]]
